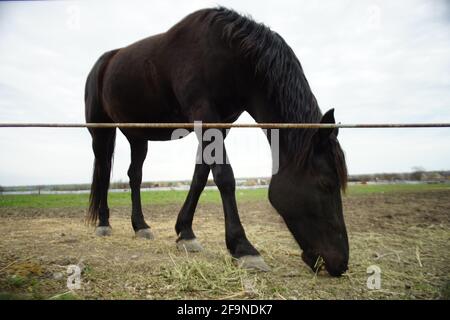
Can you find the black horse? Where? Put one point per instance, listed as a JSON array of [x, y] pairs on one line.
[[212, 66]]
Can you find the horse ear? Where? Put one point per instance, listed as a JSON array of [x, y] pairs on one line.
[[328, 117]]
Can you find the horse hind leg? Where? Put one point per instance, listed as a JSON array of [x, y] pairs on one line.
[[103, 141], [138, 155]]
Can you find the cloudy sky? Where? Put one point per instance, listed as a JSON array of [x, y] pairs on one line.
[[373, 61]]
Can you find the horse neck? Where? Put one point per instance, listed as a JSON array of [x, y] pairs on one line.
[[262, 111]]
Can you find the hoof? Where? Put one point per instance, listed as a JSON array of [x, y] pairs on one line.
[[253, 263], [190, 245], [144, 234], [103, 231]]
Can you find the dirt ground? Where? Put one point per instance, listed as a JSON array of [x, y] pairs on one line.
[[407, 235]]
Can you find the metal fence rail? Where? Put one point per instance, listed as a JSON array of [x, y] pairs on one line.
[[192, 125]]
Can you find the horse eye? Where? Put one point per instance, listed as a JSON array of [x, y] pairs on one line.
[[327, 184]]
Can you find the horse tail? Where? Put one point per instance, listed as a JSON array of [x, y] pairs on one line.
[[103, 142]]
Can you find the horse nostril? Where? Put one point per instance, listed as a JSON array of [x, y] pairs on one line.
[[312, 260], [336, 264], [338, 270]]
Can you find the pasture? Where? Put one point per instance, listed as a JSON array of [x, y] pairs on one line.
[[403, 229]]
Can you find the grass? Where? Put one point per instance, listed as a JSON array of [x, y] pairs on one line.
[[208, 278], [119, 199], [403, 229], [155, 270], [122, 199], [391, 188]]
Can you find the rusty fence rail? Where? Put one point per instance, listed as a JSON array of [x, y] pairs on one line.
[[192, 125]]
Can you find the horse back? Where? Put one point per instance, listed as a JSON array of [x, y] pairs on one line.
[[187, 73]]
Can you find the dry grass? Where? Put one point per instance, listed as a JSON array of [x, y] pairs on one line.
[[406, 235]]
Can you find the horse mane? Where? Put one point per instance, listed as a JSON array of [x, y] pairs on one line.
[[276, 64]]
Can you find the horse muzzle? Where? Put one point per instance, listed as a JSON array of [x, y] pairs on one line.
[[336, 265]]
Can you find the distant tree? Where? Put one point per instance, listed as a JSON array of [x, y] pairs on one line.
[[417, 173], [1, 190]]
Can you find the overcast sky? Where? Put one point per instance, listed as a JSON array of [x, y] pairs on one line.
[[373, 61]]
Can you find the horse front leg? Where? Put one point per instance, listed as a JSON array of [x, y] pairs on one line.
[[138, 155], [236, 240], [183, 227]]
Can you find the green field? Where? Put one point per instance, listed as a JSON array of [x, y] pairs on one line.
[[402, 229], [117, 199]]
